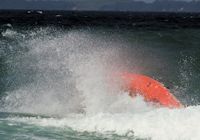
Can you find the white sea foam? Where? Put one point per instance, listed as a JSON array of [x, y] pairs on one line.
[[9, 33], [157, 124]]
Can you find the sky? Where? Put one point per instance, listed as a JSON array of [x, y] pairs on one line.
[[149, 1], [171, 0], [111, 0]]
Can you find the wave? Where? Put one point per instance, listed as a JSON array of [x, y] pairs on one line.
[[154, 124], [66, 74]]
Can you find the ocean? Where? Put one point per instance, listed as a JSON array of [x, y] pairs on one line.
[[55, 67]]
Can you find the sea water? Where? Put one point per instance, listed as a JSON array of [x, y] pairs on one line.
[[54, 83]]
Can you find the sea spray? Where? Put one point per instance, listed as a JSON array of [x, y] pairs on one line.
[[66, 73]]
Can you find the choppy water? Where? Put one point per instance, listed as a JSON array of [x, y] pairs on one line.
[[54, 83]]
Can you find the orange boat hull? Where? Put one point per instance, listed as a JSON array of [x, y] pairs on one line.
[[150, 89]]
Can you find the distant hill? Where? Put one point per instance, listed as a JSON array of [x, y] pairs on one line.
[[36, 4], [103, 5]]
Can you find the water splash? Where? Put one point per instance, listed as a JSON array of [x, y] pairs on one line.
[[63, 74]]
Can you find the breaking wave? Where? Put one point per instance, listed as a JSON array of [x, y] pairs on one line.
[[65, 75]]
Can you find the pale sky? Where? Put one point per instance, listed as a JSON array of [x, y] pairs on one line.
[[149, 1]]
